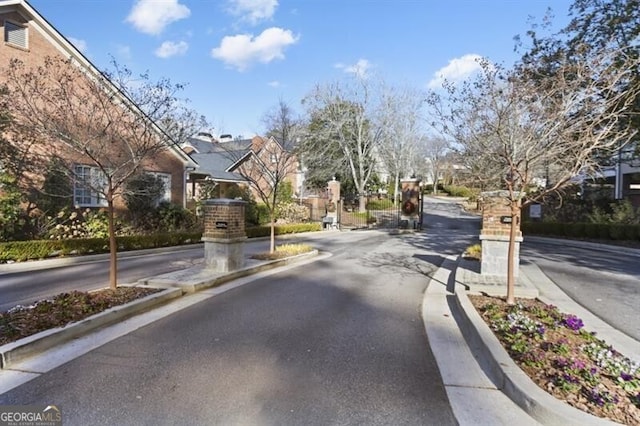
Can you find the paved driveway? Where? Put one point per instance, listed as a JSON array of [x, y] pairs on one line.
[[337, 341]]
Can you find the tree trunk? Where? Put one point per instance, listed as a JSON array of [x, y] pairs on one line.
[[272, 240], [395, 190], [113, 245], [362, 203], [511, 254]]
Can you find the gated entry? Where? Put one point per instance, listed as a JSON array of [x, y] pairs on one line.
[[380, 213]]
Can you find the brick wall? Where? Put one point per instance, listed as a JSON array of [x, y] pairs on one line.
[[40, 45], [224, 219], [493, 208]]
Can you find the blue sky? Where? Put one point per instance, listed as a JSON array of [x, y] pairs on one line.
[[239, 57]]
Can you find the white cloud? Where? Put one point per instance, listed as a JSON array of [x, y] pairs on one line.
[[457, 69], [253, 11], [240, 51], [274, 83], [360, 68], [169, 48], [81, 45], [152, 16]]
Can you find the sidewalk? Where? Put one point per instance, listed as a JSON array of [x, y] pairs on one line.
[[484, 385]]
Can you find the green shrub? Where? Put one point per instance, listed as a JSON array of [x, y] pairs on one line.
[[620, 232], [460, 191], [594, 231], [142, 193], [265, 230], [574, 230], [262, 214], [20, 251], [10, 212], [382, 204]]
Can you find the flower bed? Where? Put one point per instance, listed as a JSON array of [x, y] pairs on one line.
[[564, 359]]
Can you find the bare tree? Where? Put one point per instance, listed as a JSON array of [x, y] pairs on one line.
[[343, 127], [83, 116], [399, 147], [272, 160], [521, 123], [435, 150]]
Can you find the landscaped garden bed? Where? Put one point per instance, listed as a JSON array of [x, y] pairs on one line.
[[564, 359]]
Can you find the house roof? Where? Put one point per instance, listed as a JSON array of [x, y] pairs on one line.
[[67, 49], [217, 159]]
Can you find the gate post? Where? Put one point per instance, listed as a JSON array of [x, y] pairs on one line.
[[410, 208], [224, 234], [333, 190], [496, 227]]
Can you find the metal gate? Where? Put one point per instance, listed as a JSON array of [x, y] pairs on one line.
[[379, 213]]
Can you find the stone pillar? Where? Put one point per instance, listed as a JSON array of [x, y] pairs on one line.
[[224, 234], [409, 207], [496, 227], [333, 193]]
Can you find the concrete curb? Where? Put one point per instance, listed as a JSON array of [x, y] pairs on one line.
[[510, 379], [15, 352]]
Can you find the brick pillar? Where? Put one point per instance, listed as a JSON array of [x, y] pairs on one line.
[[409, 208], [496, 227], [224, 234]]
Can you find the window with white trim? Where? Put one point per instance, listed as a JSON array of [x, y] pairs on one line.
[[166, 180], [87, 180], [15, 34]]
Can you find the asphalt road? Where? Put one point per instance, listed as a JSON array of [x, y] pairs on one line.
[[607, 283], [338, 341], [28, 286]]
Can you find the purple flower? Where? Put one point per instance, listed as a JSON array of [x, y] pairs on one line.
[[626, 377], [578, 364], [573, 322]]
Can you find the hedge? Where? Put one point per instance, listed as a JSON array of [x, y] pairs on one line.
[[596, 231], [20, 251], [294, 228]]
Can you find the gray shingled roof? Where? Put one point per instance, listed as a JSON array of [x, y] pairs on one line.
[[215, 158]]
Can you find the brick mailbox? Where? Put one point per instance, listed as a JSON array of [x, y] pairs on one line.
[[496, 227], [224, 234]]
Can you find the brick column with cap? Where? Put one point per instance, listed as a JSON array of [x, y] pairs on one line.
[[224, 234], [496, 228], [409, 204]]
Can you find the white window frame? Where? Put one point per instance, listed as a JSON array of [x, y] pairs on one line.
[[166, 179], [85, 195], [16, 34]]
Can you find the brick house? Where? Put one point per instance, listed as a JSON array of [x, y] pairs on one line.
[[228, 162], [30, 38]]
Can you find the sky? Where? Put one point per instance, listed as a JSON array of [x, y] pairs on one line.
[[239, 58]]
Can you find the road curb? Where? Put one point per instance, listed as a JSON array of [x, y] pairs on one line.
[[15, 352], [510, 379]]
